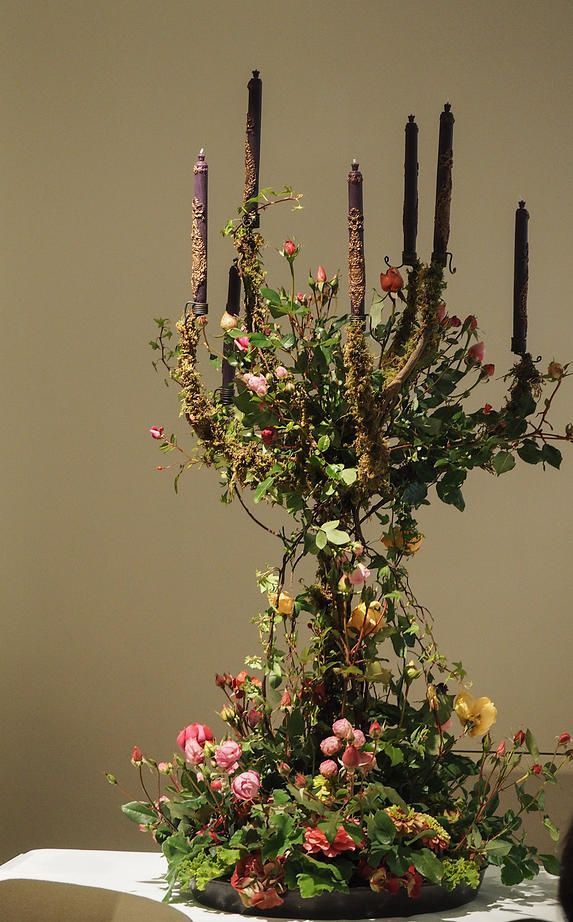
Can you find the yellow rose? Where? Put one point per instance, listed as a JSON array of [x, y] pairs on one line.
[[396, 539], [477, 715], [283, 605], [368, 621]]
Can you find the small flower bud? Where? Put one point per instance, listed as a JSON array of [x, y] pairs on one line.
[[500, 751], [321, 276], [136, 756], [290, 249], [454, 321], [391, 280], [563, 739], [519, 738], [283, 769], [375, 730], [268, 435], [299, 780], [156, 432], [476, 354], [286, 699], [536, 769], [281, 372], [487, 408], [470, 323], [229, 321], [328, 768], [164, 768], [555, 371], [488, 370]]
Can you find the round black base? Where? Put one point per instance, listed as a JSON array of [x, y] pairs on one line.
[[358, 903]]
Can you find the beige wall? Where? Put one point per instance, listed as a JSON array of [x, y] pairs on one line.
[[121, 600]]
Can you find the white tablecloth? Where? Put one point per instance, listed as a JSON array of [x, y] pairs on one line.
[[140, 874]]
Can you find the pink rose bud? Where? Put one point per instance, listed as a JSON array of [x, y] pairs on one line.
[[283, 769], [321, 275], [289, 248], [330, 746], [156, 432], [246, 786], [470, 323], [488, 370], [216, 784], [366, 761], [351, 758], [519, 738], [286, 699], [487, 408], [441, 312], [500, 751], [342, 729], [194, 752], [136, 756], [258, 384], [563, 739], [476, 353], [375, 729], [358, 739], [281, 372], [268, 435], [454, 321], [227, 756], [160, 467], [328, 768], [300, 297], [242, 343], [536, 769], [299, 780], [359, 576]]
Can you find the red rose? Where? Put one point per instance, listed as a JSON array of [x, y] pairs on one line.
[[454, 321], [136, 755], [268, 435], [470, 323], [519, 738], [537, 768], [391, 280], [563, 739], [487, 408]]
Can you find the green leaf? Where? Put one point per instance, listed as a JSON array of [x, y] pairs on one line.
[[349, 475], [551, 864], [140, 813], [498, 847], [381, 829], [321, 540], [427, 865], [551, 455], [323, 443], [271, 296], [529, 452], [313, 877], [338, 537], [415, 493], [285, 833], [531, 745], [503, 462], [551, 828], [263, 488], [511, 873], [453, 496]]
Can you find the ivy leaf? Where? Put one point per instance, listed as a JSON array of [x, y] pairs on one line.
[[415, 493], [453, 496], [503, 462], [323, 443], [381, 829], [349, 475], [321, 540], [551, 828], [498, 847], [529, 452], [263, 488]]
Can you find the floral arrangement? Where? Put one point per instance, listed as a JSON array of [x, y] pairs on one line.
[[344, 762]]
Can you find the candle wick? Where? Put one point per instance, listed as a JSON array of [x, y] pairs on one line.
[[411, 118], [447, 107], [256, 74], [202, 153], [355, 164], [522, 204]]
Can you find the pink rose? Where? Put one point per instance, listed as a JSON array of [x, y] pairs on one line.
[[216, 784], [359, 739], [199, 732], [375, 729], [351, 758], [342, 729], [258, 384], [500, 751], [227, 756], [289, 248], [330, 746], [476, 353], [156, 432], [194, 752], [328, 768], [254, 717], [281, 371], [321, 275], [366, 761], [246, 785], [359, 576], [242, 343]]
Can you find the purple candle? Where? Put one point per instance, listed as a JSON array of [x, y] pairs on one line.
[[356, 267], [233, 307], [253, 145], [443, 187], [199, 236], [520, 281], [410, 214]]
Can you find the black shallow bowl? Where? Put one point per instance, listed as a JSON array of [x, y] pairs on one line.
[[358, 903]]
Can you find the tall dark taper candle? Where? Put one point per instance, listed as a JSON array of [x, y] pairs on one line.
[[253, 144], [520, 281], [199, 236], [443, 187], [233, 307], [356, 267], [410, 215]]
